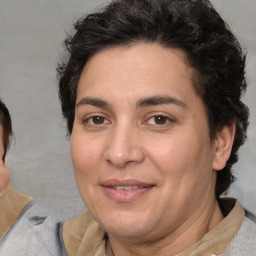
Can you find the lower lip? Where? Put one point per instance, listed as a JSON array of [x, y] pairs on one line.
[[125, 195]]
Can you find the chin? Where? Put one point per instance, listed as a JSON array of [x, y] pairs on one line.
[[127, 232], [125, 225]]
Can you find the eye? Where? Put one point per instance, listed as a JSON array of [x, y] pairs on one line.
[[95, 120], [159, 120]]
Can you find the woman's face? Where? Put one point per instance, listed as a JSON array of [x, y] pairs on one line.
[[1, 142], [140, 143], [4, 174]]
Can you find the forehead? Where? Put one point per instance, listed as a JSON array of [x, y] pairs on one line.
[[141, 67]]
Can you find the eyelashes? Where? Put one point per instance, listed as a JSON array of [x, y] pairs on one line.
[[96, 120], [99, 121], [159, 120]]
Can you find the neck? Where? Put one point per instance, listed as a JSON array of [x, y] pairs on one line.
[[181, 239]]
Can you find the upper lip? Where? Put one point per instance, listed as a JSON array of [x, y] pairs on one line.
[[116, 182]]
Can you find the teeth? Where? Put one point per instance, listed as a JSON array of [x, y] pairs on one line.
[[126, 187]]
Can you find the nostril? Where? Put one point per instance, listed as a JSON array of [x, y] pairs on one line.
[[116, 162]]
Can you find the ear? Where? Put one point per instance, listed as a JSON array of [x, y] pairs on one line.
[[223, 146]]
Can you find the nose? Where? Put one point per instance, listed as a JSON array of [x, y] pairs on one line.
[[124, 147]]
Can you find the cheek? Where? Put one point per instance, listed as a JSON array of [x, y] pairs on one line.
[[169, 154], [85, 157], [85, 154], [180, 157], [1, 150]]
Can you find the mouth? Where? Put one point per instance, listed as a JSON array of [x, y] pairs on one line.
[[125, 191], [127, 188]]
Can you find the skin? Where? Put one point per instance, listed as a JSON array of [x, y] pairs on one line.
[[138, 119], [4, 174]]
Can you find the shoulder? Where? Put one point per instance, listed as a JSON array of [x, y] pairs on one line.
[[82, 234], [244, 242], [12, 204], [31, 234]]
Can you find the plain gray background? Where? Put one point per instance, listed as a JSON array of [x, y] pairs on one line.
[[31, 36]]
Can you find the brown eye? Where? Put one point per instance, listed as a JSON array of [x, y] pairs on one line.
[[160, 120], [98, 120]]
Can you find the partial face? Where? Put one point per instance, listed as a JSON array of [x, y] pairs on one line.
[[140, 143], [1, 142]]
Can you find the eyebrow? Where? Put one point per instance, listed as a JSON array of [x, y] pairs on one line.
[[160, 100], [93, 101], [150, 101]]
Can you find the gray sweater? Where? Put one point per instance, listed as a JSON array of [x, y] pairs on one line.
[[32, 235], [244, 242]]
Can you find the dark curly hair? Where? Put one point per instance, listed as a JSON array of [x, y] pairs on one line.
[[191, 25], [6, 123]]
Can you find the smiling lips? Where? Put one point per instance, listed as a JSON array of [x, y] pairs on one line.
[[124, 191], [126, 187]]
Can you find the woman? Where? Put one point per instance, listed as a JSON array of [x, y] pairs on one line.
[[23, 231], [151, 91], [5, 134], [12, 202]]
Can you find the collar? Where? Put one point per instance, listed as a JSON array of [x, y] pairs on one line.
[[82, 235], [216, 240], [12, 204]]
